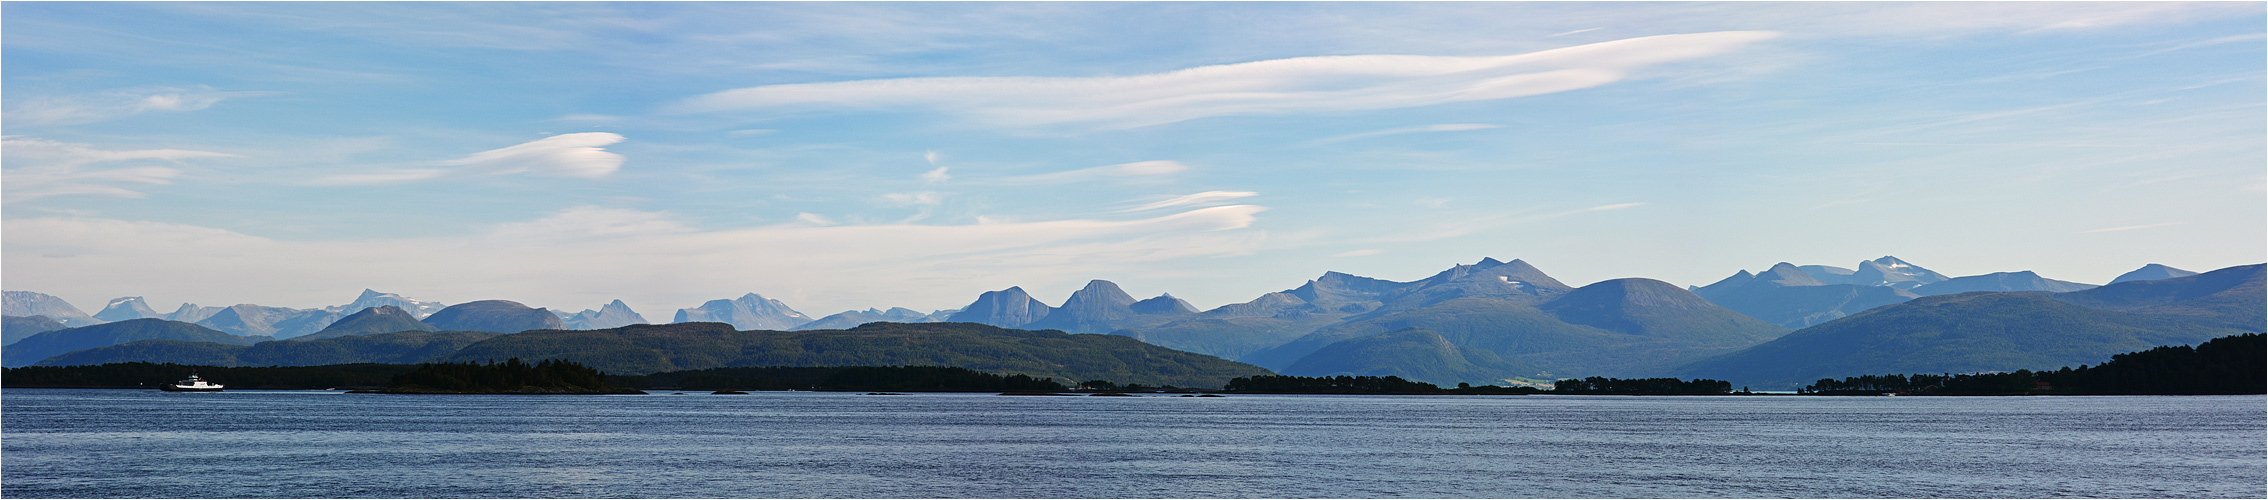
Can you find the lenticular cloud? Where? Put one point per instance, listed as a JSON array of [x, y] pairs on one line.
[[568, 155], [1279, 86]]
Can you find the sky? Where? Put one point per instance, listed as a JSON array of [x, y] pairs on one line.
[[843, 156]]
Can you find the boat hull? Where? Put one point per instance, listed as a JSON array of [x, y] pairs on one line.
[[176, 388]]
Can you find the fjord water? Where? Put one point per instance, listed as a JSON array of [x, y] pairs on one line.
[[121, 443]]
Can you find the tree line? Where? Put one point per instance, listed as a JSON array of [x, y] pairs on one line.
[[511, 375], [2235, 364], [1642, 386], [843, 378]]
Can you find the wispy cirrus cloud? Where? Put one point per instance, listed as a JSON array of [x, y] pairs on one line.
[[1135, 170], [1279, 86], [1445, 127], [40, 168], [1199, 199], [579, 155], [90, 108]]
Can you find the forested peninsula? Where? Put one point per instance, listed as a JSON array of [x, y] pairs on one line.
[[2227, 365]]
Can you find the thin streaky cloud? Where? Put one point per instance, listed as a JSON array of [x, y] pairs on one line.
[[1270, 87], [90, 108], [1204, 198], [579, 155], [40, 168], [565, 155], [1135, 170], [1445, 127]]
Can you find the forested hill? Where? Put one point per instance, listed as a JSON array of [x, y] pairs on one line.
[[641, 349], [2226, 365]]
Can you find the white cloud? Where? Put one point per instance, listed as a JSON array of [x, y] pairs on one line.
[[78, 109], [814, 219], [1445, 127], [1199, 199], [1617, 206], [577, 155], [915, 198], [565, 155], [1133, 170], [936, 175], [39, 168], [1279, 86], [588, 255]]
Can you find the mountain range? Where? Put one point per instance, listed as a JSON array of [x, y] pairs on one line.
[[642, 349], [1989, 331], [1490, 322]]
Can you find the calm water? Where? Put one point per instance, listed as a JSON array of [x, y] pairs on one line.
[[119, 443]]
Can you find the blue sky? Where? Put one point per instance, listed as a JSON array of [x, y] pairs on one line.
[[855, 155]]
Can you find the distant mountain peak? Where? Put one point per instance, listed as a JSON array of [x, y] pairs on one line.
[[125, 308], [749, 312], [1890, 271], [1009, 308], [1785, 274], [2152, 272]]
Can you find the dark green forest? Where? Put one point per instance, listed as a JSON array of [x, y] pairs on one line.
[[151, 375], [514, 376], [1343, 384], [2235, 364], [841, 378], [1645, 386], [511, 376]]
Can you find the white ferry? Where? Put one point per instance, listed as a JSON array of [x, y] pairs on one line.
[[192, 384]]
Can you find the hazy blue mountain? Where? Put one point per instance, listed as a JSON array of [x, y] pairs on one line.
[[749, 312], [20, 327], [1785, 274], [381, 319], [1241, 331], [494, 316], [1651, 308], [1793, 297], [2023, 281], [48, 344], [1831, 275], [191, 313], [1515, 281], [2151, 272], [1959, 333], [372, 298], [851, 319], [254, 320], [125, 308], [1162, 305], [15, 303], [1411, 353], [613, 314], [1102, 307], [1891, 272], [640, 349], [2232, 296], [406, 347], [1011, 308], [1615, 327]]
